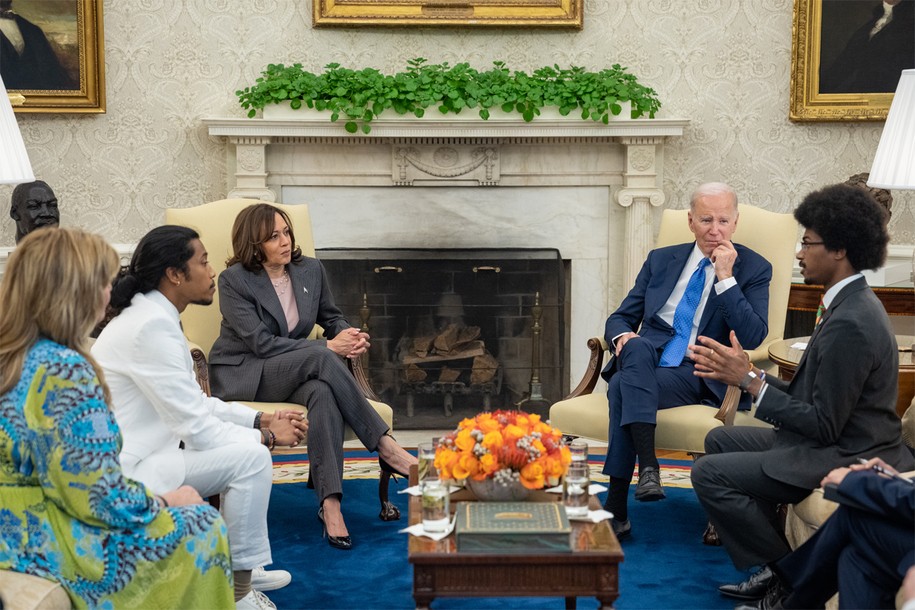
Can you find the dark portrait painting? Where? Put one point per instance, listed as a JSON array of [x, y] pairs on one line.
[[39, 47], [52, 54], [865, 45], [847, 56]]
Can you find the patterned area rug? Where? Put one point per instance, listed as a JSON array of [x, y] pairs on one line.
[[293, 468]]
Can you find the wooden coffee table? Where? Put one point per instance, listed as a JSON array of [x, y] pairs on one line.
[[591, 569]]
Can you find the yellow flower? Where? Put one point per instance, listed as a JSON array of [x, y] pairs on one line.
[[532, 476]]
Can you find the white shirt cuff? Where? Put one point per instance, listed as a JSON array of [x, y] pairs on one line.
[[725, 284]]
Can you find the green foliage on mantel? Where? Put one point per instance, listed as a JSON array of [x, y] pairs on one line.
[[361, 95]]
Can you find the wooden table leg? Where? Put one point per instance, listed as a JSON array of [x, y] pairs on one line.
[[570, 603]]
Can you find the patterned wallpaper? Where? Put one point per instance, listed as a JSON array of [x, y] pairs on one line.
[[723, 64]]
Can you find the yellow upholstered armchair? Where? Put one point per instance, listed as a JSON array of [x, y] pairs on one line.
[[584, 413], [213, 221]]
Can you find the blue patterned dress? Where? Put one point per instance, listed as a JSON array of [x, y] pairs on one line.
[[68, 514]]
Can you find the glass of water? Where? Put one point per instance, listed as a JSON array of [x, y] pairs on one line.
[[425, 453], [579, 450], [436, 504], [575, 496]]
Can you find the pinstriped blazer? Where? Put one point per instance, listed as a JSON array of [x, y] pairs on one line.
[[254, 326]]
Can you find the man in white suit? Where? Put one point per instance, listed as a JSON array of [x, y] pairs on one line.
[[173, 433]]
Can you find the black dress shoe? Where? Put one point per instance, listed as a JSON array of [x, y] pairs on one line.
[[344, 543], [752, 588], [649, 488], [621, 529], [773, 600]]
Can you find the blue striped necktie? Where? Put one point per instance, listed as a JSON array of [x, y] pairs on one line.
[[675, 349]]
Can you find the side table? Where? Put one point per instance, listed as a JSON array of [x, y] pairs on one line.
[[787, 357]]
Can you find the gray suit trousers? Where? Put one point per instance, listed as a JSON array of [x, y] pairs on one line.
[[318, 379], [740, 499]]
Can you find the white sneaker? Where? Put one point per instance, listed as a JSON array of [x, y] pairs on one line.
[[262, 580], [255, 600]]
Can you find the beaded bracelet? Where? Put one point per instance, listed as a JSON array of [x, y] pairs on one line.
[[272, 443], [257, 419]]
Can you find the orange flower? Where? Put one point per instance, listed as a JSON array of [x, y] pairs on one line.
[[532, 476], [500, 441]]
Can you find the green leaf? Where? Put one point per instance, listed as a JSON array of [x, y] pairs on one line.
[[350, 126]]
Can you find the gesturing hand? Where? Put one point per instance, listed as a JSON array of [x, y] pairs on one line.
[[720, 362]]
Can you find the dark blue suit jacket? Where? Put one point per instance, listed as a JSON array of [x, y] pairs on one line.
[[743, 308]]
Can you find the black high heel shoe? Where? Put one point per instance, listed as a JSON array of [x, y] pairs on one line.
[[387, 468], [344, 543]]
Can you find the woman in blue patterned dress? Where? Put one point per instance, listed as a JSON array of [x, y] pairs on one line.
[[67, 513]]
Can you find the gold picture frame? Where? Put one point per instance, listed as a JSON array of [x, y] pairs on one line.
[[72, 31], [500, 13], [826, 59]]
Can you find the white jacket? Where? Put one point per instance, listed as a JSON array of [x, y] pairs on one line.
[[157, 401]]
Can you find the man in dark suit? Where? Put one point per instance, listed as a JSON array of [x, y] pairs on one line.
[[862, 552], [840, 405], [27, 60], [710, 286], [876, 53]]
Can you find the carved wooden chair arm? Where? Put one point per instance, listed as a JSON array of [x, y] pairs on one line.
[[357, 368], [595, 363]]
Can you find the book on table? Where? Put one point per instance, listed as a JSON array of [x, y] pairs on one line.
[[512, 527]]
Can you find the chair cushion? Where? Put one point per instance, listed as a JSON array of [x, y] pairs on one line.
[[684, 428], [26, 592], [586, 415]]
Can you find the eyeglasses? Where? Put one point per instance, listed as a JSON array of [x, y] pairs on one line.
[[805, 245]]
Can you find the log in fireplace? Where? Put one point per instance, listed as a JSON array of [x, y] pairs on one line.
[[455, 332]]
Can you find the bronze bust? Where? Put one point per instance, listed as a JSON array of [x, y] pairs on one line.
[[32, 206]]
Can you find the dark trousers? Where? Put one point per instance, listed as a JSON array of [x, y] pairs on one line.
[[740, 499], [636, 391], [318, 379], [861, 555]]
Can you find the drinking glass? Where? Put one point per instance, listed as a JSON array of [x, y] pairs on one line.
[[575, 495], [425, 453], [579, 450], [436, 504]]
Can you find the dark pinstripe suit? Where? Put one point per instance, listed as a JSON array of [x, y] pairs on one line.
[[256, 357]]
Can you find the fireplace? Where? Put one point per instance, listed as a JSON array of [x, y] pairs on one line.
[[457, 331], [585, 189]]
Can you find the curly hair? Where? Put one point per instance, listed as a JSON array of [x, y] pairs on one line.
[[847, 218]]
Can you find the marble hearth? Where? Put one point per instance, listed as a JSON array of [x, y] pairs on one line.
[[582, 188]]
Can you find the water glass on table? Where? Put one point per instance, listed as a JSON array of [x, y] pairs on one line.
[[425, 454], [575, 496], [579, 450], [436, 505]]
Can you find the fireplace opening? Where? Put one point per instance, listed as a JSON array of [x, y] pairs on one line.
[[455, 332]]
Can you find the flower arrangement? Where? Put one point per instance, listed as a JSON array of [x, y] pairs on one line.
[[506, 446]]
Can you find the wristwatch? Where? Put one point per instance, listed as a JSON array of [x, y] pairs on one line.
[[747, 380]]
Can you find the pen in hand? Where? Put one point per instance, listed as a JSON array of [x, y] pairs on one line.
[[880, 469]]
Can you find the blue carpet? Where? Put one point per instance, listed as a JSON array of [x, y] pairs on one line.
[[666, 565]]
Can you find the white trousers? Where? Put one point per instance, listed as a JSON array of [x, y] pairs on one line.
[[242, 475]]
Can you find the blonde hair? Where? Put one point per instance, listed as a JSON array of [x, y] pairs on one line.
[[52, 287]]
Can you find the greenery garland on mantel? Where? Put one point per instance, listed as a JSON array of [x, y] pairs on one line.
[[361, 95]]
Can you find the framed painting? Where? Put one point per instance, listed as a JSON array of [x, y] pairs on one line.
[[500, 13], [847, 56], [52, 55]]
